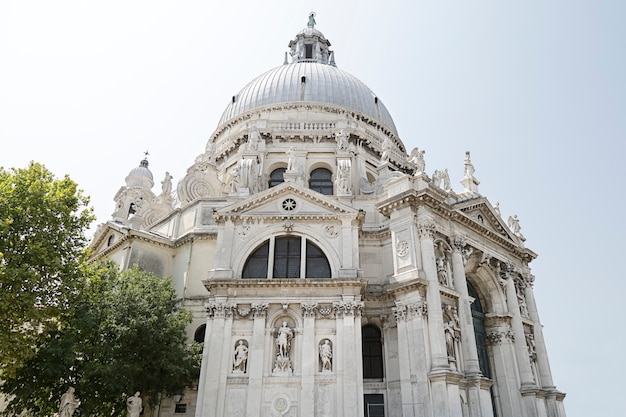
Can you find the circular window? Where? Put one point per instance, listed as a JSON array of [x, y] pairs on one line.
[[289, 204]]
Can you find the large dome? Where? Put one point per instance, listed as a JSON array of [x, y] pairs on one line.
[[309, 79]]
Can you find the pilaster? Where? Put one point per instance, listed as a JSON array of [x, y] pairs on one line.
[[255, 361]]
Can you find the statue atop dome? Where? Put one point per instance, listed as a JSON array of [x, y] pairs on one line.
[[311, 22]]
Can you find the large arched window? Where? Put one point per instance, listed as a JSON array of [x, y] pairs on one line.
[[372, 345], [277, 177], [478, 317], [321, 181], [287, 257]]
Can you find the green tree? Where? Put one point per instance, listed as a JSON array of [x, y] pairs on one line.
[[125, 334], [42, 238]]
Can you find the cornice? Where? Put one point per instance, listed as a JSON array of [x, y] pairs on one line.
[[238, 283]]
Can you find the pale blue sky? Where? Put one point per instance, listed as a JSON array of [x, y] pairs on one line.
[[535, 90]]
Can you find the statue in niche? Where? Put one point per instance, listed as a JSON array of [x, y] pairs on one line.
[[240, 357], [69, 403], [449, 330], [417, 158], [166, 184], [235, 180], [326, 356], [521, 301], [282, 365], [442, 271], [283, 340]]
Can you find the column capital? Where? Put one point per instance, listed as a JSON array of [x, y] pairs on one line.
[[308, 309], [260, 310], [458, 242], [399, 311], [220, 310], [426, 229], [351, 308]]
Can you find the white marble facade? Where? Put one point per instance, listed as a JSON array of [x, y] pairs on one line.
[[328, 273]]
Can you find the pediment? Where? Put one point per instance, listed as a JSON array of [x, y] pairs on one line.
[[483, 213], [289, 200]]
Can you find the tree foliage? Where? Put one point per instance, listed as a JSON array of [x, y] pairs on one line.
[[42, 238], [125, 334]]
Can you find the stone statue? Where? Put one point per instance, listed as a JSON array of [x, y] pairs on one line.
[[166, 184], [496, 208], [235, 180], [283, 340], [69, 403], [513, 223], [417, 158], [240, 358], [469, 168], [134, 405], [445, 177], [291, 161], [253, 140], [326, 355], [442, 273], [450, 339], [342, 140], [387, 146]]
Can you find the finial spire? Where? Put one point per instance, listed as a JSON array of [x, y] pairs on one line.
[[311, 23]]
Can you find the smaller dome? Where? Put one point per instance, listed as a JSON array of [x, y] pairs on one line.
[[142, 170], [140, 176]]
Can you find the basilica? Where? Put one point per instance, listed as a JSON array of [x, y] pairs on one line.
[[328, 271]]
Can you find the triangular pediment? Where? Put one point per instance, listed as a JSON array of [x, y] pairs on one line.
[[289, 200], [483, 213]]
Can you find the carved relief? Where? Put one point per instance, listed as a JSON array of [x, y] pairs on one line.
[[402, 248], [331, 231], [344, 309], [220, 310], [260, 310], [426, 229]]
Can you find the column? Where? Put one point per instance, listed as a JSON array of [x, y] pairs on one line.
[[416, 314], [352, 403], [225, 359], [255, 361], [543, 364], [521, 349], [205, 363], [438, 352], [212, 380], [404, 358], [468, 338], [309, 361], [500, 339]]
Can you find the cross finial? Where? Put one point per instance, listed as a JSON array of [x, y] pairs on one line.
[[146, 153]]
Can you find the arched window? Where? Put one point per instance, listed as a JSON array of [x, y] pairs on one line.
[[287, 257], [199, 334], [372, 345], [277, 176], [478, 317], [321, 181]]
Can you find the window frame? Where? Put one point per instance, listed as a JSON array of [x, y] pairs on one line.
[[310, 256]]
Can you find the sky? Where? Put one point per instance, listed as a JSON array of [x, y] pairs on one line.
[[535, 90]]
